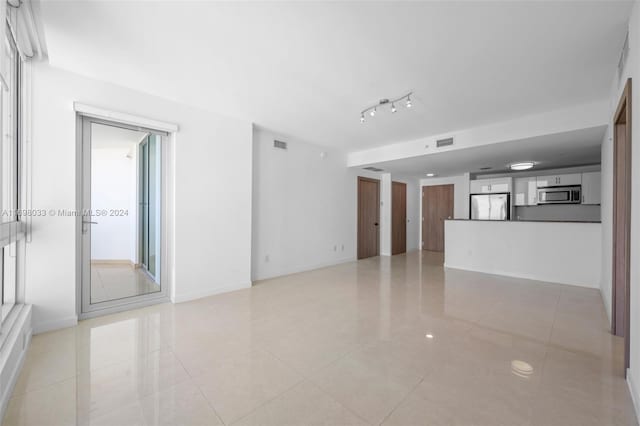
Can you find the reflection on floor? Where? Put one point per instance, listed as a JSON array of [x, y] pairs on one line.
[[111, 281], [393, 341]]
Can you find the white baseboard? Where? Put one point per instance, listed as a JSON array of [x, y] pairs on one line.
[[523, 276], [45, 326], [634, 394], [298, 269], [13, 354], [179, 298]]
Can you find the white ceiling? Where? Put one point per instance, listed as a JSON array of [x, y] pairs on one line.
[[576, 148], [309, 68]]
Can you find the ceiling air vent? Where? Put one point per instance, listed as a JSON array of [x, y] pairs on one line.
[[373, 169], [444, 142], [279, 144]]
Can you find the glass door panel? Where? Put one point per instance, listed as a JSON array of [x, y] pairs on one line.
[[121, 222]]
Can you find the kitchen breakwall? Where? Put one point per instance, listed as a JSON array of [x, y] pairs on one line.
[[562, 212]]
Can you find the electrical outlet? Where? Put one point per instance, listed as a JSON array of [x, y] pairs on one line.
[[335, 248], [342, 247], [266, 258]]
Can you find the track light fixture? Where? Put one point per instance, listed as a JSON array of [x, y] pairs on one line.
[[383, 102]]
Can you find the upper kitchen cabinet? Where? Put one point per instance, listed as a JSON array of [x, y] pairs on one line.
[[490, 186], [526, 191], [560, 180], [591, 188]]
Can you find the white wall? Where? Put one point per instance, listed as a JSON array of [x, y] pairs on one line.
[[632, 69], [112, 188], [565, 253], [606, 217], [385, 214], [211, 197], [304, 209]]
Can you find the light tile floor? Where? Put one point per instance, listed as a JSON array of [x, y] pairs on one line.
[[118, 281], [345, 345]]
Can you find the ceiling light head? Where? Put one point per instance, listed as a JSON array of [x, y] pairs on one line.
[[362, 118], [373, 112], [393, 108], [431, 174], [525, 165], [409, 104]]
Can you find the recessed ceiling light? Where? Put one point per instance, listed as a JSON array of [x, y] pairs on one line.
[[521, 368], [526, 165], [429, 336], [431, 174]]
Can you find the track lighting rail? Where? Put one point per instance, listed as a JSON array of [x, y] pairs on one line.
[[384, 102]]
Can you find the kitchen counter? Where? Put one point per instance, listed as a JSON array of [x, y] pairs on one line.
[[558, 252]]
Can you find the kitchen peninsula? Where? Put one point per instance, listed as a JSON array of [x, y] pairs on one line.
[[538, 225], [559, 252]]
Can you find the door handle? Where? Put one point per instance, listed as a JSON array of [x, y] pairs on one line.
[[84, 225], [375, 224]]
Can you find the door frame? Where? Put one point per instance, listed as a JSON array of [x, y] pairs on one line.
[[377, 182], [84, 115], [139, 213], [624, 106], [404, 185]]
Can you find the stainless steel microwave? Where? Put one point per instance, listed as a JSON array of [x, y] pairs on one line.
[[560, 195]]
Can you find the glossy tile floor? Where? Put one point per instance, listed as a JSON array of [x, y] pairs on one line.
[[393, 341], [117, 281]]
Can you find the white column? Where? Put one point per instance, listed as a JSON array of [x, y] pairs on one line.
[[385, 214]]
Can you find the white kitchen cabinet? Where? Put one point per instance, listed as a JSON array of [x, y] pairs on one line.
[[559, 180], [591, 192], [526, 191], [490, 186]]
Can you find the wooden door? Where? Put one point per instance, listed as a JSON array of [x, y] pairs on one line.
[[437, 206], [622, 219], [398, 217], [368, 217]]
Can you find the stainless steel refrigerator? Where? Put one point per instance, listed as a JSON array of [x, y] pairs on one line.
[[490, 207]]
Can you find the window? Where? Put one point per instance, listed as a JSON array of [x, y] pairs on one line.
[[9, 173]]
